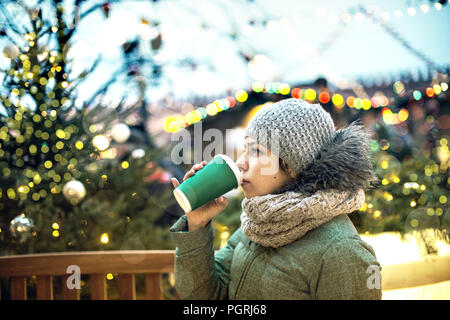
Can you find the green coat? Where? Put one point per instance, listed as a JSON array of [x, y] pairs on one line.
[[329, 262]]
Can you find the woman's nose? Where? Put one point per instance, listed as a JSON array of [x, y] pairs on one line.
[[242, 163]]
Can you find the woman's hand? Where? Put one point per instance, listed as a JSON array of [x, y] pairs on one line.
[[200, 217]]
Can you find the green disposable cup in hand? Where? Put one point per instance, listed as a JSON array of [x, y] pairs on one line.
[[216, 178]]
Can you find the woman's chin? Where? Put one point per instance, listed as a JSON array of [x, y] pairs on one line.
[[248, 194]]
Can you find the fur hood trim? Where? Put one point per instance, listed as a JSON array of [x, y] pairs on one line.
[[343, 164]]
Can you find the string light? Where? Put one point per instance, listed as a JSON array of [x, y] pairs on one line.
[[175, 123], [100, 142], [104, 238]]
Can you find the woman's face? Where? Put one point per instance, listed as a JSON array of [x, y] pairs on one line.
[[260, 170]]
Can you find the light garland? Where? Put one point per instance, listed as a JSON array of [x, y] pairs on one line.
[[175, 123]]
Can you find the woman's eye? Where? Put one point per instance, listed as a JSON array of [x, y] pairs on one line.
[[255, 151]]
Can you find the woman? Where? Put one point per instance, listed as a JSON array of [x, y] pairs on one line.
[[295, 240]]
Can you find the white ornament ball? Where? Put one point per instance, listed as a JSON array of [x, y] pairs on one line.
[[11, 51], [138, 153], [120, 132], [74, 191], [20, 227]]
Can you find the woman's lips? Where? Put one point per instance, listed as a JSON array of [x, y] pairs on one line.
[[244, 182]]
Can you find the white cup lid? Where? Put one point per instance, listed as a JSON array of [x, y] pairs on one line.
[[182, 200]]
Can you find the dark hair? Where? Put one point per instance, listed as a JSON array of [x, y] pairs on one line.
[[284, 167]]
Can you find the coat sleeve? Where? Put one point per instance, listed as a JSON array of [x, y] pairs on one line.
[[349, 270], [199, 273]]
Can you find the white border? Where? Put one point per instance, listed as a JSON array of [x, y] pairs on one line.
[[234, 167], [180, 196]]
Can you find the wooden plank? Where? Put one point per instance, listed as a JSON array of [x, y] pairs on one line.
[[127, 286], [153, 286], [98, 286], [69, 294], [18, 288], [44, 288], [417, 273], [128, 261]]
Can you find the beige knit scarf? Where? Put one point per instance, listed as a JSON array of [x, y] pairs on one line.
[[275, 220]]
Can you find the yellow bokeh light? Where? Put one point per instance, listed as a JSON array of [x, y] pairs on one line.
[[79, 145], [60, 133], [366, 104], [55, 225], [93, 128], [413, 203], [173, 124], [377, 214], [388, 196], [189, 117], [37, 178], [338, 100], [104, 238], [241, 95], [285, 89], [403, 115], [48, 164], [364, 206], [109, 276], [212, 109], [197, 115], [55, 233], [125, 164], [23, 189], [258, 86], [437, 89], [310, 94]]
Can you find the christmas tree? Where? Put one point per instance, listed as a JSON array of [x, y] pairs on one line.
[[73, 176]]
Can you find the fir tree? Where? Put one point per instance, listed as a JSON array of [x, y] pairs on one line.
[[70, 178]]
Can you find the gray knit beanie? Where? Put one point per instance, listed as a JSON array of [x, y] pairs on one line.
[[293, 129]]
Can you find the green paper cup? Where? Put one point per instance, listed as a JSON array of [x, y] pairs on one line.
[[219, 176]]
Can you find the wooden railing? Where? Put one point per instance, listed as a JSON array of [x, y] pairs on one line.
[[96, 264], [153, 264]]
